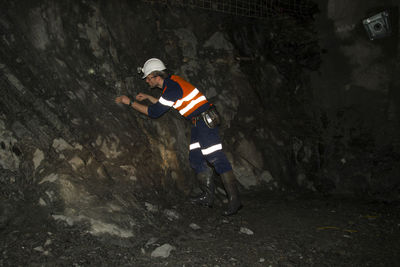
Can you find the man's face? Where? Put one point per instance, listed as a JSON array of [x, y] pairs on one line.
[[152, 80]]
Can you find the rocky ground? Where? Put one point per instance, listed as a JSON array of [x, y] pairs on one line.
[[295, 230]]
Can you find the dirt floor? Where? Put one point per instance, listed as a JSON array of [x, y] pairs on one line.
[[268, 231]]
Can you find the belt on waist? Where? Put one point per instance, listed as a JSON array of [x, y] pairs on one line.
[[210, 117], [199, 117]]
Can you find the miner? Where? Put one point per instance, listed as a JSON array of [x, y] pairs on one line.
[[205, 144]]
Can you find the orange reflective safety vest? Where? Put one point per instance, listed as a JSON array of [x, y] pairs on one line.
[[190, 101]]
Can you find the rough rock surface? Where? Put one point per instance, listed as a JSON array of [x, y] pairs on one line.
[[303, 111]]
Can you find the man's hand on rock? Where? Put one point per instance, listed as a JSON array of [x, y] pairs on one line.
[[122, 99], [141, 97]]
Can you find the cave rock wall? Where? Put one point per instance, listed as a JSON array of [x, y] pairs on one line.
[[89, 159]]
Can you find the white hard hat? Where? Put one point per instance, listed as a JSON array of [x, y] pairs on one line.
[[151, 65]]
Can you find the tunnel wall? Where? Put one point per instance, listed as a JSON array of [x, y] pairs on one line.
[[68, 148], [356, 91], [293, 120]]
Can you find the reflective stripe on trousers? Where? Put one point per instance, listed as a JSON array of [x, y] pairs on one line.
[[208, 150], [205, 145]]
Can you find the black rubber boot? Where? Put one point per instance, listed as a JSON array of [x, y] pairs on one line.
[[234, 205], [208, 187]]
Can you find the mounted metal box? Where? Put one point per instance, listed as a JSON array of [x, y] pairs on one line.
[[378, 26]]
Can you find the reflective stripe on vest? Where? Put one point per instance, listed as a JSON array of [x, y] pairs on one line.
[[191, 99]]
